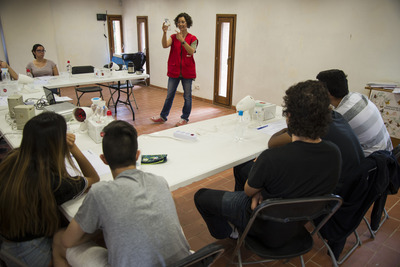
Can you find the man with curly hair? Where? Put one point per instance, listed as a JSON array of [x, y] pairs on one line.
[[308, 166]]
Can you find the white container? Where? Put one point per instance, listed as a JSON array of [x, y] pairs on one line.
[[264, 111]]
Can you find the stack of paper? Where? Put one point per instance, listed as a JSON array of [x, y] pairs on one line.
[[386, 85]]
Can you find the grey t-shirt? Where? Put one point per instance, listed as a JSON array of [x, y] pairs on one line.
[[46, 70], [138, 217]]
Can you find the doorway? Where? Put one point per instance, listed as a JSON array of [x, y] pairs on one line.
[[224, 58], [115, 37], [143, 41]]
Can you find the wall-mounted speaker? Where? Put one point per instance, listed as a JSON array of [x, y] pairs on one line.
[[101, 17]]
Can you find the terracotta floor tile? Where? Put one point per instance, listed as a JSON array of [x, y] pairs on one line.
[[385, 257], [359, 258], [394, 241], [394, 212]]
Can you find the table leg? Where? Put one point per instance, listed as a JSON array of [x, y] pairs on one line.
[[128, 100]]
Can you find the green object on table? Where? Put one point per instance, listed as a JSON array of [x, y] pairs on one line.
[[154, 159]]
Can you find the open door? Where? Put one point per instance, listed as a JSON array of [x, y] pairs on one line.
[[115, 37], [224, 59], [143, 42]]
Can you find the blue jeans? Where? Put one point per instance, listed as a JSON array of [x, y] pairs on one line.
[[36, 252], [220, 207], [187, 96]]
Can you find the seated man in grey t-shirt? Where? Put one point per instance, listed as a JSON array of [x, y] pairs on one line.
[[135, 211]]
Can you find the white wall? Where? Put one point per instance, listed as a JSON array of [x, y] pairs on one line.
[[68, 30], [278, 43]]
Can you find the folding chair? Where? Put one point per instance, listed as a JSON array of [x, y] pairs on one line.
[[376, 224], [291, 214], [201, 258], [86, 89], [369, 186]]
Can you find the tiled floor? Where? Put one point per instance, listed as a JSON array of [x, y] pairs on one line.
[[383, 251]]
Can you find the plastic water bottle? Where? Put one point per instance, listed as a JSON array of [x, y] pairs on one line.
[[167, 23], [5, 76], [69, 69], [109, 116], [29, 73], [241, 126]]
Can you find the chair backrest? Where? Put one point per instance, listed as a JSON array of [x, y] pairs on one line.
[[201, 258], [82, 69], [396, 152], [138, 59], [294, 212]]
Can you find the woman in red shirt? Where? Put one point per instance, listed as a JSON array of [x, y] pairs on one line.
[[181, 67]]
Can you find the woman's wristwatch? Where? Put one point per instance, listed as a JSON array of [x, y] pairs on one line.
[[183, 42]]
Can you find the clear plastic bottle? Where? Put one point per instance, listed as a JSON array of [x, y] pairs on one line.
[[167, 23], [241, 126], [29, 73], [5, 76], [97, 114], [109, 116], [69, 69]]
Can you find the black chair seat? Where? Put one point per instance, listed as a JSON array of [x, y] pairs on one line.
[[122, 86], [276, 228], [201, 258], [89, 89], [85, 89], [298, 245]]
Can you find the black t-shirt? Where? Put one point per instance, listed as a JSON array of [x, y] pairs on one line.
[[70, 188], [341, 134], [297, 169]]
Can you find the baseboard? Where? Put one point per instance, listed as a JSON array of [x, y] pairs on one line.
[[195, 97]]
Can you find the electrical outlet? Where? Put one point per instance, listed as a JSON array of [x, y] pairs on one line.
[[197, 86]]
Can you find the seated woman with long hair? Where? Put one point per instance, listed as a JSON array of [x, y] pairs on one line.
[[34, 181]]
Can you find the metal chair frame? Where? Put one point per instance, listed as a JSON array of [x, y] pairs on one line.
[[289, 210], [86, 89], [201, 258]]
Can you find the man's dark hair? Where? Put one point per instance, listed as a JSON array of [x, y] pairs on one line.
[[306, 105], [188, 19], [335, 81], [120, 144]]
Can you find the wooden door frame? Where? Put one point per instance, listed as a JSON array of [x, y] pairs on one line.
[[145, 20], [111, 18], [228, 100]]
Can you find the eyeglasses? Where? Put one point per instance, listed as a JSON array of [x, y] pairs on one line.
[[40, 51]]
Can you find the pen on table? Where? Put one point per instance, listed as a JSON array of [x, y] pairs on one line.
[[262, 127]]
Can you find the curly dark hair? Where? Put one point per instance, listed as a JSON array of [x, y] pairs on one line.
[[306, 105], [335, 81], [188, 19]]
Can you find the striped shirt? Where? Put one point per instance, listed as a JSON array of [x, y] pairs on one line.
[[366, 122]]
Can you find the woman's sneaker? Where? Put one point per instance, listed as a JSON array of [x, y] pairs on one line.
[[157, 119], [181, 122]]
